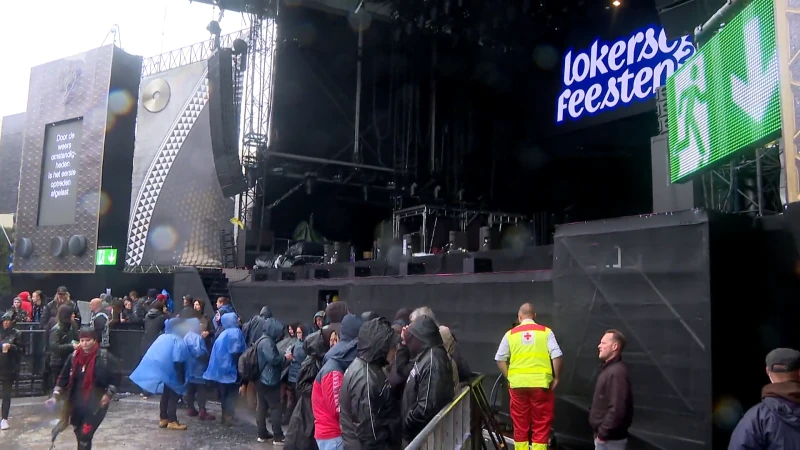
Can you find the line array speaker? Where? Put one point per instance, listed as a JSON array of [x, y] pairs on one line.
[[223, 123]]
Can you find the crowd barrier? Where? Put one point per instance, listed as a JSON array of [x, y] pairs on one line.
[[462, 424], [125, 344]]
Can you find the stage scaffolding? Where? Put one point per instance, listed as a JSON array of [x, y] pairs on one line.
[[190, 54], [462, 216]]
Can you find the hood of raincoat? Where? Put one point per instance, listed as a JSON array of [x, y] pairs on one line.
[[350, 326], [229, 320], [375, 338], [336, 311], [157, 367], [426, 330], [315, 346], [265, 312], [273, 328]]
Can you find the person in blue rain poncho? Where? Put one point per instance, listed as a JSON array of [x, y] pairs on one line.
[[223, 364], [198, 363], [163, 370]]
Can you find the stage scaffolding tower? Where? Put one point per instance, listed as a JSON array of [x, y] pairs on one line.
[[256, 122]]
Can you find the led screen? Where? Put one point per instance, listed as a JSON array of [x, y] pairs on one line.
[[725, 98], [62, 151]]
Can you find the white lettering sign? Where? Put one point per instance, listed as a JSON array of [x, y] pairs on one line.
[[608, 75]]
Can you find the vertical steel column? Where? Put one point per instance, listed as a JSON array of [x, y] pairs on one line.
[[433, 106], [359, 63], [759, 183]]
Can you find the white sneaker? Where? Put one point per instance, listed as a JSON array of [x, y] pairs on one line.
[[261, 440], [3, 424]]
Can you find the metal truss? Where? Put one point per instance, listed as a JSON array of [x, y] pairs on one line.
[[152, 268], [191, 54], [749, 184], [256, 119]]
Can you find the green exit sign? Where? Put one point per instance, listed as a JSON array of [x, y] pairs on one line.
[[106, 257], [726, 97]]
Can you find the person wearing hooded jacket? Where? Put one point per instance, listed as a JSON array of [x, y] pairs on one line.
[[12, 349], [254, 328], [430, 385], [197, 365], [325, 394], [163, 370], [271, 363], [774, 424], [367, 408], [300, 433], [63, 341], [223, 364]]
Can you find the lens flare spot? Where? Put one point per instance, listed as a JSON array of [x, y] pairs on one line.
[[545, 56], [120, 102], [89, 203], [360, 21], [163, 237], [105, 203], [727, 412]]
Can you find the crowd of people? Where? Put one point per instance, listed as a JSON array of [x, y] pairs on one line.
[[342, 381]]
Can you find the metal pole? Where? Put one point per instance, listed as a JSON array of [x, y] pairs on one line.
[[713, 23], [333, 162], [433, 108], [357, 126], [733, 191], [759, 183]]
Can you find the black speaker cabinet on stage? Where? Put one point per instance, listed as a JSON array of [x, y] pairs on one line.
[[458, 240], [224, 132], [410, 268], [77, 160], [489, 238], [411, 245], [260, 275]]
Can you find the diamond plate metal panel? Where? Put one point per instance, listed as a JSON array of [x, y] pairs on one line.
[[787, 33], [68, 88]]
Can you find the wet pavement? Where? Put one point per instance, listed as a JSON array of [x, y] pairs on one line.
[[132, 424]]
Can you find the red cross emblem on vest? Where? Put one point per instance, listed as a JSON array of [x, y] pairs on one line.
[[527, 338]]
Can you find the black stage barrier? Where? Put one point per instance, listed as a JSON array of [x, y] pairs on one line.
[[125, 341]]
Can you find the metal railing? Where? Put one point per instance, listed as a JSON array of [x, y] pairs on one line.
[[460, 424]]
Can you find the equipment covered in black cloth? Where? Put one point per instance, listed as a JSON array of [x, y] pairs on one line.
[[299, 254]]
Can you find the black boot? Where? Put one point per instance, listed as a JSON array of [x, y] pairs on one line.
[[84, 445]]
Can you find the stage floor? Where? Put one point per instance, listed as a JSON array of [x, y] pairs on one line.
[[130, 424]]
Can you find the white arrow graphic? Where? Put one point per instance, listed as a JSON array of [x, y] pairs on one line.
[[112, 258], [753, 96]]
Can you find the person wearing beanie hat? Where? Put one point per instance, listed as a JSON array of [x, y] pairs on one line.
[[775, 422], [86, 386], [25, 296], [11, 346]]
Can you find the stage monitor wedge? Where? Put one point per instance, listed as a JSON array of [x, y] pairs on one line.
[[224, 123]]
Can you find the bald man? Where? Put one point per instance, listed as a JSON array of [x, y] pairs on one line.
[[100, 321], [530, 359]]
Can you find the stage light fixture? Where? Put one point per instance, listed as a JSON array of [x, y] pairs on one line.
[[616, 3]]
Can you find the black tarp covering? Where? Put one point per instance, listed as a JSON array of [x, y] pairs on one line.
[[649, 278]]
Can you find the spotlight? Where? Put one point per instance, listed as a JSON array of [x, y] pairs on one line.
[[616, 3]]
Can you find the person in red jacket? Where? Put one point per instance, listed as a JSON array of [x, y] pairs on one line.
[[325, 393], [25, 296]]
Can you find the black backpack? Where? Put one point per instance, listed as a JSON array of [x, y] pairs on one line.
[[249, 368]]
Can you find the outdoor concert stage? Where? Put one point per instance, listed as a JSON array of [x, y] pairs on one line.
[[673, 283], [131, 424]]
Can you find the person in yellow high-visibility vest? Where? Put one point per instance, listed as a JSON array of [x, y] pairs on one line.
[[530, 359]]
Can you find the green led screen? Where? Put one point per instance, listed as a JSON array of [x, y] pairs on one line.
[[725, 98]]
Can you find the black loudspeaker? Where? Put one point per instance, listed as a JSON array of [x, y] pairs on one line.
[[680, 17], [411, 244], [260, 275], [458, 240], [328, 254], [409, 268], [489, 239], [341, 252], [288, 275], [321, 274], [359, 272], [224, 123], [477, 265]]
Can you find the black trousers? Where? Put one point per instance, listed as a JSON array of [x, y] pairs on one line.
[[169, 404], [198, 392], [85, 421], [55, 372], [268, 402], [7, 384]]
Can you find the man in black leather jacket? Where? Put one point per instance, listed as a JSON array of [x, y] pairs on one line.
[[12, 350], [367, 408], [430, 385]]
